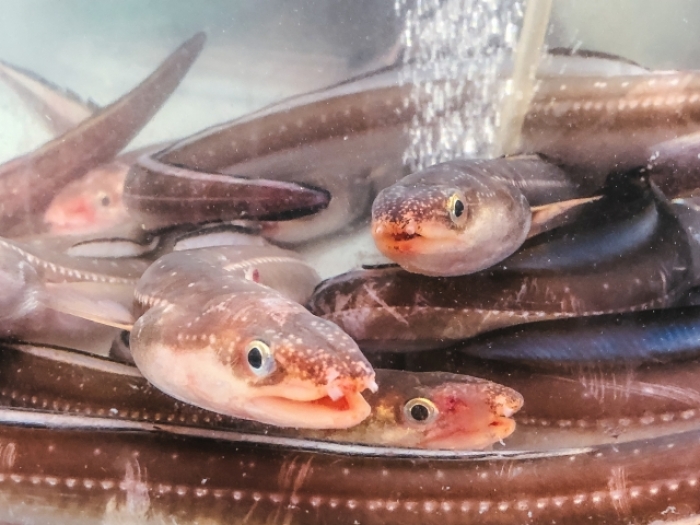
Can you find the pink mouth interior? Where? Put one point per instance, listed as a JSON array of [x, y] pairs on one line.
[[321, 413]]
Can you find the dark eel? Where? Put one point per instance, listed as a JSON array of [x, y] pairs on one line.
[[634, 256], [605, 340], [580, 405], [92, 476], [350, 138], [159, 195], [28, 183], [432, 410]]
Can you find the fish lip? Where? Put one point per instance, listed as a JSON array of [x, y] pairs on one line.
[[395, 237], [313, 415], [399, 237], [473, 441]]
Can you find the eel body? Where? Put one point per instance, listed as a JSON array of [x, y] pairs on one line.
[[91, 476]]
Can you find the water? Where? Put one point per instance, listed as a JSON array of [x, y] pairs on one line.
[[465, 39], [261, 53]]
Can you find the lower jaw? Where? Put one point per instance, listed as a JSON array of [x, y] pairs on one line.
[[322, 413]]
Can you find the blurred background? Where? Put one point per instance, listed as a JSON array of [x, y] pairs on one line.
[[264, 50]]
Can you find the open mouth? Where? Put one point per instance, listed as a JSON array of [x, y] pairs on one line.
[[394, 233], [474, 439], [321, 413]]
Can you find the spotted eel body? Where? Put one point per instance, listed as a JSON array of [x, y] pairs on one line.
[[211, 331], [629, 253], [422, 410], [459, 217], [99, 476]]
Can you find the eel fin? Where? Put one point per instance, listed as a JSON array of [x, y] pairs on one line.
[[107, 304], [550, 216]]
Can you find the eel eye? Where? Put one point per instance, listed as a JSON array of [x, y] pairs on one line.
[[457, 208], [104, 199], [260, 358], [420, 410]]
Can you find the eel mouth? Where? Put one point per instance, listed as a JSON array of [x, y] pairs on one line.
[[461, 439], [395, 239], [403, 236], [320, 413]]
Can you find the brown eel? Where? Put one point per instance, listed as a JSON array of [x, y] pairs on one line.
[[629, 253], [433, 410], [350, 138], [579, 405], [93, 476], [28, 183]]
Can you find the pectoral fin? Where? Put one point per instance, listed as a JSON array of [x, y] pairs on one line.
[[550, 216], [107, 304]]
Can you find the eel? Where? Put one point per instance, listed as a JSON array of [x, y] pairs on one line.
[[26, 314], [28, 183], [351, 138], [223, 328], [157, 196], [33, 276], [94, 201], [463, 216], [632, 254], [582, 405], [60, 110], [422, 410], [91, 476], [597, 341], [195, 334]]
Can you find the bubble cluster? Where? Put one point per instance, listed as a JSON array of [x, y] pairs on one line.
[[468, 42]]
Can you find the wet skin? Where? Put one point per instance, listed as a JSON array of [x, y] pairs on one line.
[[93, 476], [435, 410], [631, 255], [28, 183]]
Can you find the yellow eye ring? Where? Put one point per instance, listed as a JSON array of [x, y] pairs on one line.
[[457, 208], [259, 358], [420, 410]]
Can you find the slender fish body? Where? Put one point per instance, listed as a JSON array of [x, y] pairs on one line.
[[26, 313], [579, 405], [639, 261], [60, 110], [423, 410], [358, 130], [34, 278], [92, 477], [586, 122], [158, 195], [28, 183], [606, 340]]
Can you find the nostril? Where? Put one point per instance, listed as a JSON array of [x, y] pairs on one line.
[[379, 229], [372, 386]]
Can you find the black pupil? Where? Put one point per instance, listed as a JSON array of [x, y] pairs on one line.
[[255, 357], [420, 412], [105, 201], [459, 208]]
